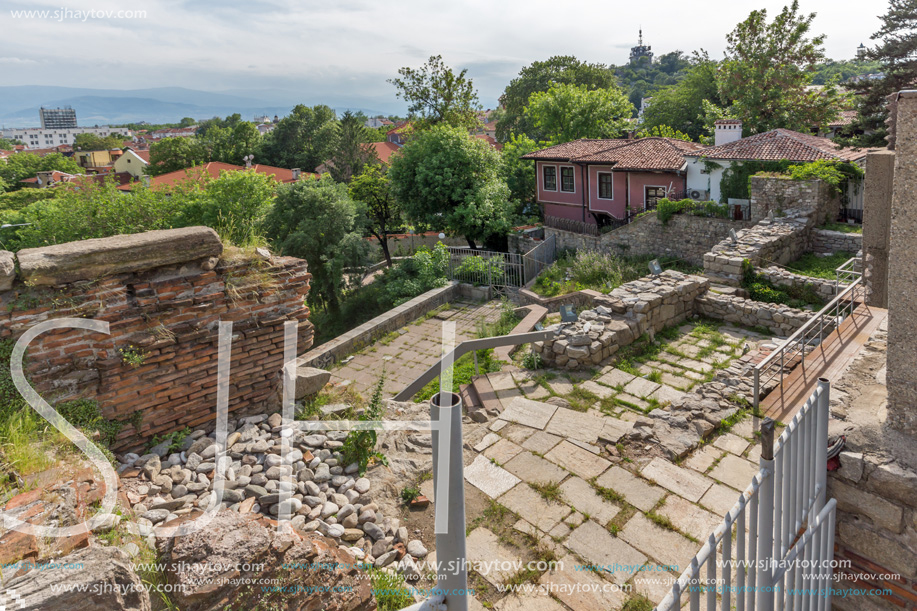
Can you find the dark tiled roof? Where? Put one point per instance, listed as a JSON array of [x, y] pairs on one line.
[[780, 144], [665, 154]]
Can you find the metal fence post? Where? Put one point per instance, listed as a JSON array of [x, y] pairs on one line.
[[821, 444], [766, 510], [450, 546]]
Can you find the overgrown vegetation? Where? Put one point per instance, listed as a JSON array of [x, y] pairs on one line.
[[503, 325], [761, 289], [815, 266], [390, 590], [360, 443], [588, 269], [462, 372], [736, 180], [666, 209]]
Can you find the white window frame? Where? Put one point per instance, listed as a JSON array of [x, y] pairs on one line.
[[598, 186], [544, 186], [560, 180]]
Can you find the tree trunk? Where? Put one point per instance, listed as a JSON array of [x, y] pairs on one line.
[[383, 244], [471, 243]]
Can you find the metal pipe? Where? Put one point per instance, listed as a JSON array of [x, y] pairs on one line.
[[821, 442], [766, 519], [450, 545]]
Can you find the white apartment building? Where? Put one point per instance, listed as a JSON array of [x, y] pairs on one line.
[[40, 138]]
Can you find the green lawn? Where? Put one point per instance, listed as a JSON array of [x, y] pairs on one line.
[[819, 267], [843, 227], [598, 271]]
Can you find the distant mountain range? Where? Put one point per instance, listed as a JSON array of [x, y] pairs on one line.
[[19, 105]]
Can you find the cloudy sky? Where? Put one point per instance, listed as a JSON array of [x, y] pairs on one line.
[[342, 51]]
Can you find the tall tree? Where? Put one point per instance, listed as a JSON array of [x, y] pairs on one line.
[[897, 54], [26, 165], [92, 142], [352, 152], [767, 69], [436, 94], [681, 106], [373, 189], [303, 139], [316, 220], [449, 180], [519, 173], [569, 112], [644, 77], [173, 154], [539, 76], [233, 144]]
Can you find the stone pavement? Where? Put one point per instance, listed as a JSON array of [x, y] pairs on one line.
[[411, 350], [553, 458]]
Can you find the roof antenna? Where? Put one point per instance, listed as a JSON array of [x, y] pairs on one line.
[[640, 38]]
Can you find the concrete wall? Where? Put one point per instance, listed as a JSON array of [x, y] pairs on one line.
[[163, 294], [698, 179]]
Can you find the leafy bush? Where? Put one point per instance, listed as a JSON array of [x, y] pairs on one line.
[[666, 209], [424, 271], [481, 270], [503, 325], [831, 172], [360, 444]]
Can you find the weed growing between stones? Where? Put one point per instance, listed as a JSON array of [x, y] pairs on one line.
[[390, 590], [360, 445], [639, 602], [462, 372], [549, 491]]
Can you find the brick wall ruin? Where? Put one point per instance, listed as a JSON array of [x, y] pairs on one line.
[[163, 294], [783, 195]]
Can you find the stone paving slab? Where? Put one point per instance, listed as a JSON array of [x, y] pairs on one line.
[[655, 585], [502, 451], [506, 397], [616, 377], [534, 469], [613, 429], [632, 400], [599, 547], [582, 497], [746, 427], [530, 413], [639, 493], [667, 394], [700, 366], [489, 478], [702, 459], [683, 482], [665, 546], [602, 392], [689, 518], [483, 547], [640, 387], [569, 423], [517, 433], [580, 590], [720, 499], [541, 442], [528, 505], [501, 380], [528, 601], [561, 385], [535, 391], [731, 443], [734, 471], [488, 440], [577, 460]]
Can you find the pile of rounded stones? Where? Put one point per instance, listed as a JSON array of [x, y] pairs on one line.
[[309, 484]]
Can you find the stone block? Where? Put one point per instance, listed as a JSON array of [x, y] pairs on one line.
[[310, 380], [7, 270], [878, 510]]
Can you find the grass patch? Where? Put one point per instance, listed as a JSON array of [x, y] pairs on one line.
[[390, 590], [843, 227], [462, 372], [814, 266], [549, 491], [503, 325], [581, 399], [638, 602], [329, 395]]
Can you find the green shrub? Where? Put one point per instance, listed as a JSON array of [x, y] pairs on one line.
[[462, 372], [360, 444], [481, 270], [666, 209]]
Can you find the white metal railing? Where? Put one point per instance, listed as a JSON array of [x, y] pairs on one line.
[[784, 514], [848, 271], [812, 333], [540, 257]]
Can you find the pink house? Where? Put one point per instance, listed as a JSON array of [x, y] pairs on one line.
[[595, 181]]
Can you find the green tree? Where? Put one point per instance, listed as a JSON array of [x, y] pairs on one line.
[[186, 122], [681, 106], [896, 52], [844, 70], [373, 189], [436, 94], [519, 173], [449, 180], [353, 152], [539, 77], [644, 77], [662, 131], [173, 154], [304, 139], [7, 144], [317, 220], [767, 69], [26, 165], [234, 205], [232, 144], [92, 142], [570, 112]]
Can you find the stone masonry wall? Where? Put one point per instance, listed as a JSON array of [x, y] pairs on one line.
[[685, 237], [779, 241], [777, 275], [812, 198], [826, 241], [632, 309], [163, 294], [780, 319]]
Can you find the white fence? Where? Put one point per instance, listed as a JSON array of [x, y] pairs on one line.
[[774, 548]]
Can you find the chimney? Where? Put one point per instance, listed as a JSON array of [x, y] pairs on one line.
[[45, 178], [726, 130], [296, 173]]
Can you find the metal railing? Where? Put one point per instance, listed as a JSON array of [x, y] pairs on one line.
[[540, 257], [464, 348], [848, 271], [761, 533], [825, 321], [500, 269]]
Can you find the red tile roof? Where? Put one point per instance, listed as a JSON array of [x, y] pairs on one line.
[[845, 117], [213, 170], [650, 154], [779, 144], [490, 140], [384, 150]]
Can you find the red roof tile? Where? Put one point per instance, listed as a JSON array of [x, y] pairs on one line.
[[384, 150], [779, 144], [659, 154], [213, 170]]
